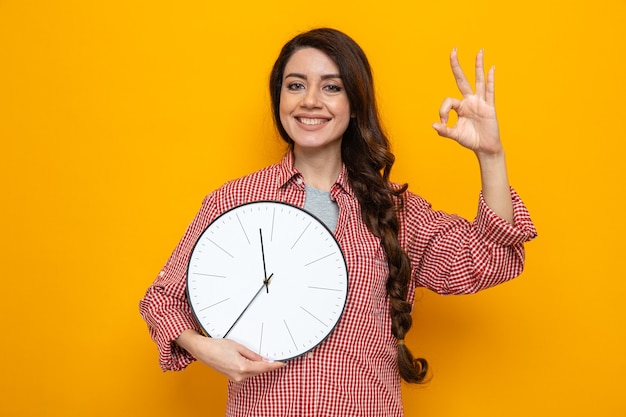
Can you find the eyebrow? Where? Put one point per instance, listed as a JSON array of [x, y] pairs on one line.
[[324, 77]]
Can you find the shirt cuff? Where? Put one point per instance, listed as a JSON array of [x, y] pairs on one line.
[[171, 356], [167, 319], [501, 232]]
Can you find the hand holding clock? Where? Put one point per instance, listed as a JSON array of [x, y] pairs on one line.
[[226, 356]]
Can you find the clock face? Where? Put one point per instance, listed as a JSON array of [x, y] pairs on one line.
[[270, 276]]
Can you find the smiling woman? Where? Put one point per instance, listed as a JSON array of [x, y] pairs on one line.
[[314, 107], [324, 107]]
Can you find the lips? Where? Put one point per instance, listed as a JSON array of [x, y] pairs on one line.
[[311, 121]]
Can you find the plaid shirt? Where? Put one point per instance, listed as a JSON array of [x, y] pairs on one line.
[[354, 371]]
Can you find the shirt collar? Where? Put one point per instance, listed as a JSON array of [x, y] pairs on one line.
[[288, 173]]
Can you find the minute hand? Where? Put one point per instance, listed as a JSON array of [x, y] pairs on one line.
[[265, 282]]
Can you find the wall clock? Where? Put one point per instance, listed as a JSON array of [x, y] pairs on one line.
[[270, 276]]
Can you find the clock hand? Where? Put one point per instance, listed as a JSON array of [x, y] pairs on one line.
[[266, 280], [265, 283]]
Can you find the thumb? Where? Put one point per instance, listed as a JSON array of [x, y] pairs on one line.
[[255, 357], [249, 354], [443, 130]]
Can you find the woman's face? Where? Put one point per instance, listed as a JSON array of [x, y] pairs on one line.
[[314, 107]]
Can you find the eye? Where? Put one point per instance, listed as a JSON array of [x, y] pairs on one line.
[[293, 86], [333, 88]]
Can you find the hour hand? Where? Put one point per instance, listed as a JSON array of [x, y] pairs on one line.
[[266, 279]]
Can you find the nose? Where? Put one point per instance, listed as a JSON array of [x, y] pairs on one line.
[[311, 99]]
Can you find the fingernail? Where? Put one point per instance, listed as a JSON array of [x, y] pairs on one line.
[[268, 360]]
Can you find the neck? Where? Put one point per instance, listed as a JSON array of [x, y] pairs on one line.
[[320, 169]]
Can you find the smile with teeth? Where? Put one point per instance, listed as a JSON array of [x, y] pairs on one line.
[[311, 122]]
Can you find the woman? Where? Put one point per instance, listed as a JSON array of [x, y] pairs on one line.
[[324, 107]]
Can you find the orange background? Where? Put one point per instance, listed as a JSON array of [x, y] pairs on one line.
[[117, 117]]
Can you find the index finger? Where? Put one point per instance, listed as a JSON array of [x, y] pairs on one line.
[[258, 368], [461, 80]]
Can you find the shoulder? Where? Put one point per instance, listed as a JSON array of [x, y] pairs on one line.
[[409, 201], [415, 213], [260, 178], [259, 185]]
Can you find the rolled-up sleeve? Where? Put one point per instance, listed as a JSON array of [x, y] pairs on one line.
[[451, 255], [501, 232], [165, 307]]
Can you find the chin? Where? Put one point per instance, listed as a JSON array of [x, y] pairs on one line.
[[317, 143]]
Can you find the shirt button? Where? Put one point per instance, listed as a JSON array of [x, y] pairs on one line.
[[299, 181]]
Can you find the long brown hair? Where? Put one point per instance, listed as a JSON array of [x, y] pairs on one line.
[[368, 159]]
